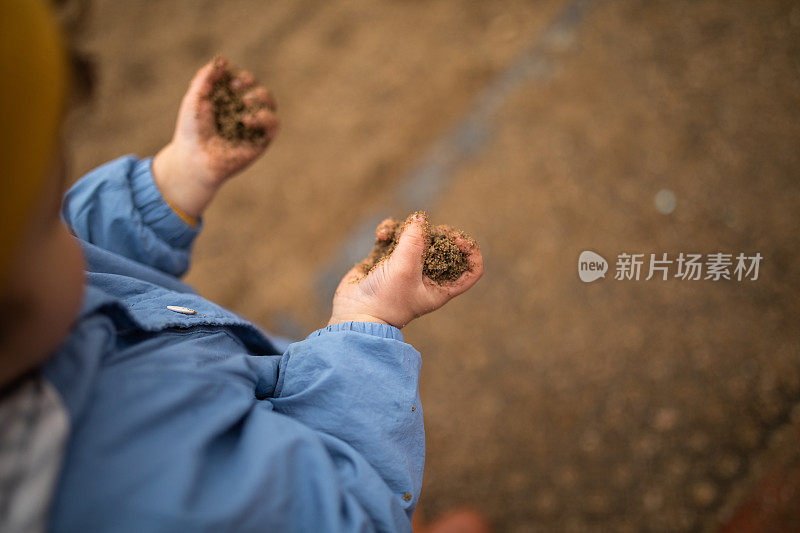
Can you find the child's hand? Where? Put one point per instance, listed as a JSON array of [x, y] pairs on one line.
[[395, 291], [192, 167]]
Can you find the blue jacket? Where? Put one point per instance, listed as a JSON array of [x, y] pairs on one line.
[[205, 423]]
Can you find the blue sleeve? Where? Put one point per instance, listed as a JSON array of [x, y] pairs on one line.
[[119, 208], [357, 383], [328, 437]]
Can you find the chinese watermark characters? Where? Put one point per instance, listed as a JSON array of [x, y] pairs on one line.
[[688, 266]]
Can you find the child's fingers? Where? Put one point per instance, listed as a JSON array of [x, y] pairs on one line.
[[464, 242], [386, 229], [272, 102], [412, 242], [471, 276], [263, 119], [447, 230], [261, 97], [244, 80], [257, 119]]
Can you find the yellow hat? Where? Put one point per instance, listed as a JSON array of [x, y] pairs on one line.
[[33, 82]]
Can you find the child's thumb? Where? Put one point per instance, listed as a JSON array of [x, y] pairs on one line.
[[202, 84], [413, 240]]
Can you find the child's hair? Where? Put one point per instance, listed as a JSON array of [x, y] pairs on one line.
[[32, 101]]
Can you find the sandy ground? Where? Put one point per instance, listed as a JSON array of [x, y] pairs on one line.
[[550, 404]]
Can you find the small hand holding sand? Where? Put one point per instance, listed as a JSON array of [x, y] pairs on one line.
[[394, 285], [225, 123]]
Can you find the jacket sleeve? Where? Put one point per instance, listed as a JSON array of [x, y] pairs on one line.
[[119, 208], [335, 445], [357, 383]]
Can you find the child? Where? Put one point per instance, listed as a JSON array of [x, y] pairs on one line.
[[129, 402]]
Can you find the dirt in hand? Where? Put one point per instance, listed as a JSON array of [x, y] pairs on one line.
[[443, 260], [230, 110]]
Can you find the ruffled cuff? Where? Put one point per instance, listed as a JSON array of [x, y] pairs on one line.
[[155, 211], [370, 328]]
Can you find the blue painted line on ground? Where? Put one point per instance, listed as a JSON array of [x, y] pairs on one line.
[[425, 183]]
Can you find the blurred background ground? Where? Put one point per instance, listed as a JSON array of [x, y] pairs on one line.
[[550, 404]]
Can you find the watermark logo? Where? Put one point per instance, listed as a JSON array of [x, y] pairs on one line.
[[591, 266], [683, 266]]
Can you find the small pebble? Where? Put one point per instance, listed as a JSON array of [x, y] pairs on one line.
[[665, 419], [703, 493]]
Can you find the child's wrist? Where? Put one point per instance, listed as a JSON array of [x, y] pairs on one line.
[[355, 317], [180, 186]]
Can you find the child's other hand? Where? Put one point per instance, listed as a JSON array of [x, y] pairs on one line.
[[192, 167], [395, 291]]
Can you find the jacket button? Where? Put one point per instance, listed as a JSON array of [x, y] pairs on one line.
[[181, 310]]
